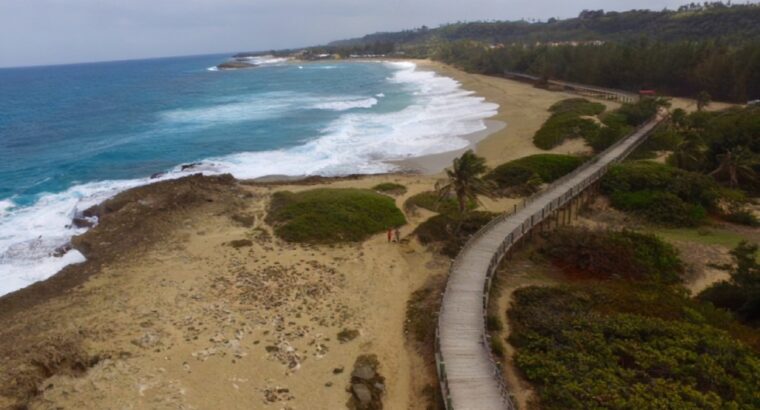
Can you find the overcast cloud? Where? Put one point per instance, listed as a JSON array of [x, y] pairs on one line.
[[36, 32]]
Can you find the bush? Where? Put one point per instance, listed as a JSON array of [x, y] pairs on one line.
[[390, 188], [606, 137], [577, 106], [563, 126], [742, 217], [661, 193], [433, 202], [452, 232], [332, 215], [547, 167], [662, 208], [609, 254], [621, 346]]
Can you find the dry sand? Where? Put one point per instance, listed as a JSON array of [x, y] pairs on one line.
[[188, 321]]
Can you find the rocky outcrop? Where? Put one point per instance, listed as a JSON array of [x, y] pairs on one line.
[[235, 65], [367, 385]]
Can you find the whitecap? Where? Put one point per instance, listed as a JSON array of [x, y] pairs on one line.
[[358, 141]]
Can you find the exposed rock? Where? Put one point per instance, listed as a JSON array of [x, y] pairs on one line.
[[82, 222], [185, 167], [362, 393], [235, 65], [364, 372]]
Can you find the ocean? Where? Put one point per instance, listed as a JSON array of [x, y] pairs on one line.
[[72, 136]]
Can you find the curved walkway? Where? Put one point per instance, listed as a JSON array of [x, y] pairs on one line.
[[470, 378]]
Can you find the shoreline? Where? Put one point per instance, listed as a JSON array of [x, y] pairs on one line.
[[166, 313]]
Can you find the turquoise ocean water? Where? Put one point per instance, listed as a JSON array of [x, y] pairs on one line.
[[72, 136]]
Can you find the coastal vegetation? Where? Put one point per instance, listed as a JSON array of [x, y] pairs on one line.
[[621, 345], [665, 50], [580, 118], [712, 169], [605, 254], [524, 175], [464, 180], [741, 293], [390, 188], [332, 215]]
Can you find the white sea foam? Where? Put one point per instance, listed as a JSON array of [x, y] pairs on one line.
[[346, 104], [357, 142], [214, 68]]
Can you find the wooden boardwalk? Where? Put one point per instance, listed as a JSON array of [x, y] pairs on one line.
[[470, 378]]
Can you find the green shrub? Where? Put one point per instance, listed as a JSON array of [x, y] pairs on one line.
[[577, 106], [563, 126], [332, 215], [493, 323], [660, 207], [431, 201], [390, 188], [606, 136], [614, 254], [452, 232], [742, 217], [497, 347], [622, 346], [547, 167], [661, 193]]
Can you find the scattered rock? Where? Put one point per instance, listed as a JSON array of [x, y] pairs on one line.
[[347, 335], [82, 222], [367, 385]]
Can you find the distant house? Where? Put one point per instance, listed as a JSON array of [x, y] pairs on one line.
[[647, 93], [754, 103]]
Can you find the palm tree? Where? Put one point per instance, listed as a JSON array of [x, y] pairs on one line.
[[736, 163], [464, 179], [689, 154]]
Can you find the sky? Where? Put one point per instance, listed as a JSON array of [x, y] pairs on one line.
[[39, 32]]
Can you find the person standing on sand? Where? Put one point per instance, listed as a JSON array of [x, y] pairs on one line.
[[390, 234], [398, 235]]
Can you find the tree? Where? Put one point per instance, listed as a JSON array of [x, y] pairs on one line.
[[689, 154], [703, 100], [741, 293], [736, 163], [464, 180]]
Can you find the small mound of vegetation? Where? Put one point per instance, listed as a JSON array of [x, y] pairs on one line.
[[622, 345], [566, 122], [390, 188], [432, 201], [527, 172], [561, 127], [614, 254], [578, 106], [661, 193], [450, 231], [332, 215]]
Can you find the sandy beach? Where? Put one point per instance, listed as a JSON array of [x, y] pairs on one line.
[[167, 314]]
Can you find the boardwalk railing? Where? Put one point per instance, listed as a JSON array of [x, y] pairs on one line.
[[582, 89], [470, 377]]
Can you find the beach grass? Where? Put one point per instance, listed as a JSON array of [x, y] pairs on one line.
[[332, 215], [704, 236]]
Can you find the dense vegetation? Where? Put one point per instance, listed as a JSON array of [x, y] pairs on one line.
[[708, 47], [724, 144], [567, 121], [740, 294], [332, 215], [576, 118], [623, 345], [526, 174], [607, 254], [689, 23], [431, 201], [661, 193], [450, 231], [727, 71]]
